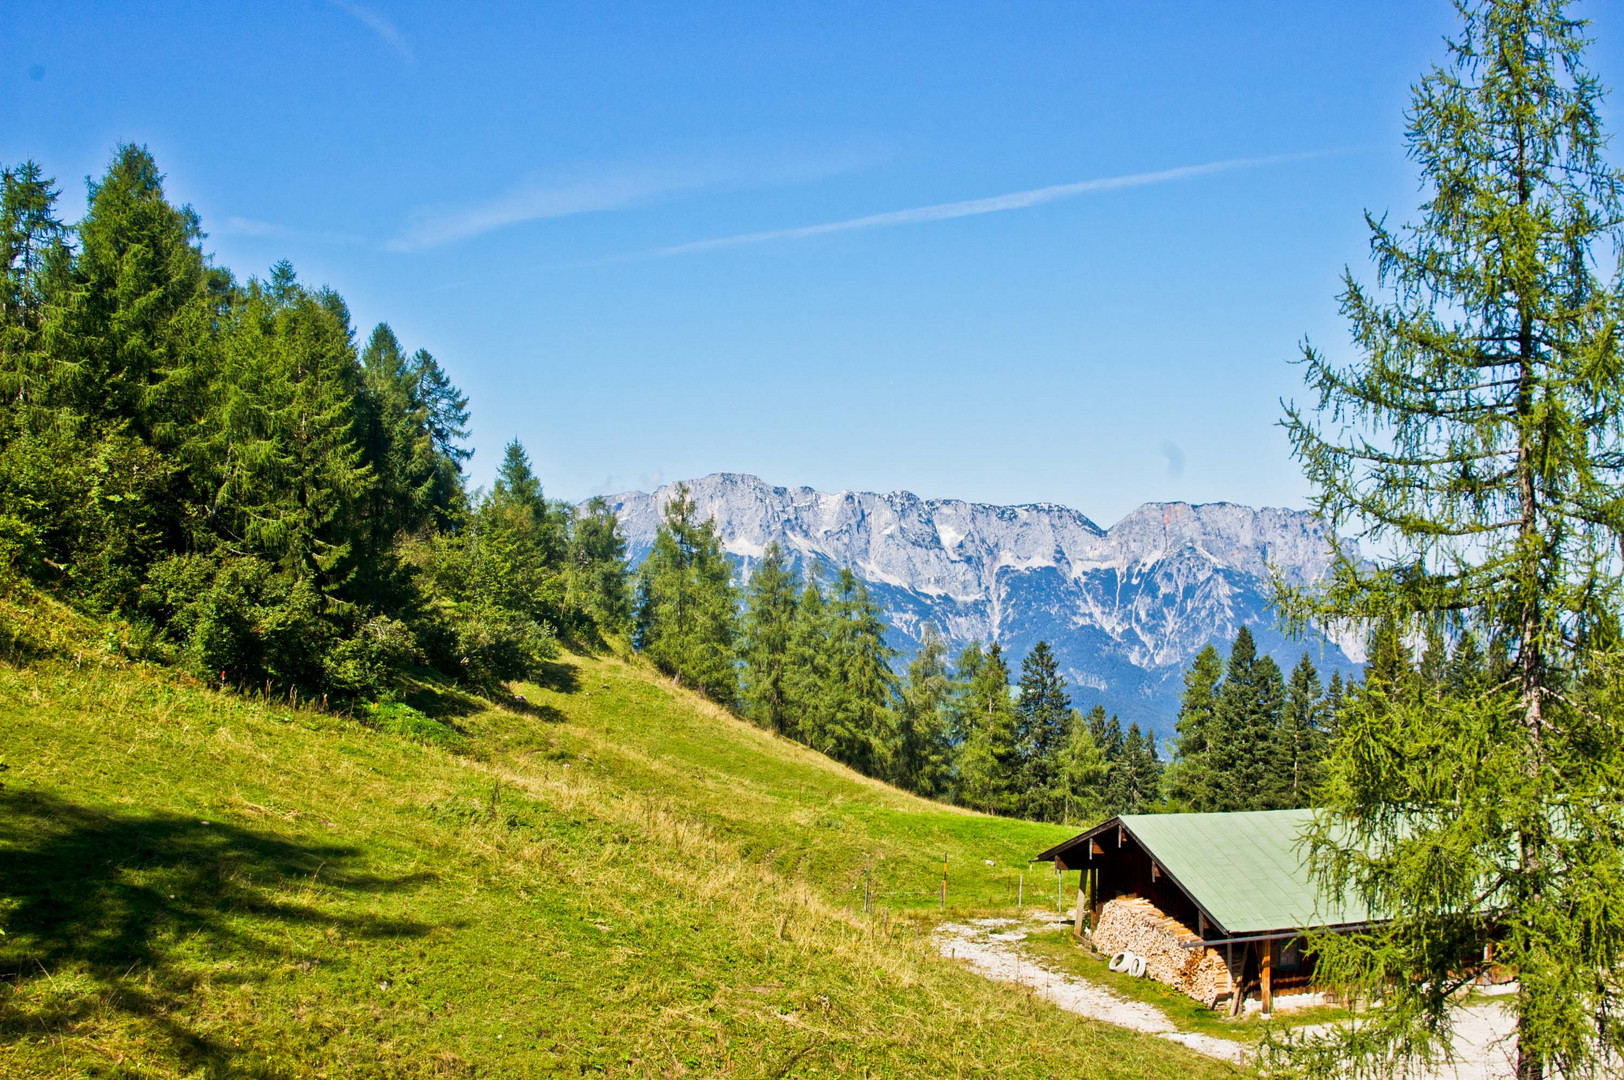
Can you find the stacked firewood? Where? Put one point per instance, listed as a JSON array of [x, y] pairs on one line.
[[1137, 926]]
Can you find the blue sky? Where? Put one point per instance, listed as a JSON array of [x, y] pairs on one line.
[[1041, 252]]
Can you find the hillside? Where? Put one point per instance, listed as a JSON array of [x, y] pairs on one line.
[[1125, 609], [599, 875]]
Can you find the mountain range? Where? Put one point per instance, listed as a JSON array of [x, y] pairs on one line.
[[1125, 608]]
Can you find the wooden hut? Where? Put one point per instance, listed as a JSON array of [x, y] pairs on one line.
[[1230, 889]]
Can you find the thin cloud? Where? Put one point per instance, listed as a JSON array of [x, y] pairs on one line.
[[434, 227], [254, 229], [387, 31], [616, 190], [1015, 200]]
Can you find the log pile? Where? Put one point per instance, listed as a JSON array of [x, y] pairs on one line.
[[1134, 925]]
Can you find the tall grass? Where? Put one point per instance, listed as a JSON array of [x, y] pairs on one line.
[[608, 877]]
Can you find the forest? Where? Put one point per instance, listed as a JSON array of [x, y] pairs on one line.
[[251, 489]]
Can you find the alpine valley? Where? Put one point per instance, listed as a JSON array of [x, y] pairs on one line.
[[1124, 608]]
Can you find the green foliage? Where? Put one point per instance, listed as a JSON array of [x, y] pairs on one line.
[[1042, 714], [764, 647], [923, 759], [398, 718], [1475, 437], [1189, 780], [217, 462], [1248, 739], [206, 885], [599, 584], [687, 606], [988, 757]]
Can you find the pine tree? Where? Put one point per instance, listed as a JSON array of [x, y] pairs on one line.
[[769, 625], [1474, 437], [1331, 714], [1042, 711], [687, 612], [1189, 780]]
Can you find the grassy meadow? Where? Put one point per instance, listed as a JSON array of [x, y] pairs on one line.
[[599, 875]]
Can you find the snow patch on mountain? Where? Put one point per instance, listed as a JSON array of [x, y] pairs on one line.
[[1125, 608]]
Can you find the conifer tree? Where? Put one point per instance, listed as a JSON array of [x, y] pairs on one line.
[[1302, 737], [807, 674], [987, 760], [860, 685], [769, 626], [1082, 772], [1189, 779], [687, 610], [1042, 710], [1243, 742], [1475, 437], [1106, 734], [924, 753], [599, 583], [1139, 772]]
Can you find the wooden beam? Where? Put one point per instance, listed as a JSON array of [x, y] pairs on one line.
[[1082, 897], [1094, 848], [1266, 976], [1120, 833], [1237, 987]]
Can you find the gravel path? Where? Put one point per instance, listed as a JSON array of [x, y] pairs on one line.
[[990, 947]]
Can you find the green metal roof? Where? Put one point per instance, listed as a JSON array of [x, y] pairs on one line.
[[1246, 870]]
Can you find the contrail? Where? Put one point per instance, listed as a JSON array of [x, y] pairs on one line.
[[1015, 200]]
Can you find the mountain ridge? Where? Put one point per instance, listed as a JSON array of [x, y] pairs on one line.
[[1124, 607]]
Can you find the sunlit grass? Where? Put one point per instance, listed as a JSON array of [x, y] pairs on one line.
[[608, 877]]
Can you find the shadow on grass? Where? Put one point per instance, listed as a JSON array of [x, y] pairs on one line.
[[557, 677], [129, 899]]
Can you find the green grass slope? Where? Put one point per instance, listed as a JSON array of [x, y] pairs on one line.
[[600, 876]]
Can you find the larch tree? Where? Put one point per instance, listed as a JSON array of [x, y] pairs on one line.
[[1475, 436]]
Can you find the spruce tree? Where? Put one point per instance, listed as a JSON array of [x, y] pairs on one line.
[[1042, 710], [687, 613], [1082, 773], [1243, 754], [1189, 780], [1117, 785], [769, 623], [860, 685], [1302, 737], [598, 583], [1474, 437], [1139, 771], [988, 766], [923, 762], [807, 674]]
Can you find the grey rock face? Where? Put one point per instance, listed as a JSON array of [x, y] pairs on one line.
[[1124, 608]]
